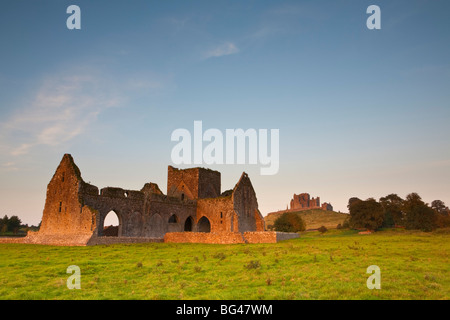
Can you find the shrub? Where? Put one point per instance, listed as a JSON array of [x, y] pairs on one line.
[[346, 224], [220, 256], [289, 222], [197, 269], [322, 229], [253, 264]]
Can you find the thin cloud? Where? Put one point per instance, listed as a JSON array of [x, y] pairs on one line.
[[224, 49], [61, 109], [8, 166]]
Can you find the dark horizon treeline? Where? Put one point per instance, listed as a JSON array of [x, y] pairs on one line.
[[393, 211], [13, 224]]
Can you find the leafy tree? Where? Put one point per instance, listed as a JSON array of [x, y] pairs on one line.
[[439, 207], [418, 215], [442, 214], [368, 214], [352, 201], [14, 224], [421, 217], [289, 222], [392, 206], [412, 200], [4, 222]]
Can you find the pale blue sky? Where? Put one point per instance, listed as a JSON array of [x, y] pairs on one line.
[[361, 112]]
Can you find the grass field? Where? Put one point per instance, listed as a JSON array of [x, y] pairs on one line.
[[314, 218], [414, 265]]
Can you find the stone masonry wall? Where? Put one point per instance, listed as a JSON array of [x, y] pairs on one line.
[[64, 213], [229, 237], [182, 183], [194, 183], [219, 212], [246, 205], [201, 237]]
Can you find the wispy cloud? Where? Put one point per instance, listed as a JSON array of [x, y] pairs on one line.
[[8, 166], [61, 109], [223, 49]]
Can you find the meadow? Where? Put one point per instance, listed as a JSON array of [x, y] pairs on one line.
[[414, 265]]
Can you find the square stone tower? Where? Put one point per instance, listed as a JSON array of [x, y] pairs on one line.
[[193, 183]]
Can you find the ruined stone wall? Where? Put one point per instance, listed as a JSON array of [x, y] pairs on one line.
[[229, 237], [219, 211], [260, 237], [182, 183], [327, 206], [159, 215], [304, 201], [245, 205], [126, 204], [193, 183], [201, 237], [209, 183], [300, 201], [116, 240], [259, 221], [286, 236], [64, 212]]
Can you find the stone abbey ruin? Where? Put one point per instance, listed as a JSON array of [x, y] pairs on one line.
[[193, 210]]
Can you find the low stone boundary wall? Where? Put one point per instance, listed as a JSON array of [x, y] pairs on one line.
[[12, 239], [203, 237], [286, 236], [50, 239], [229, 237], [115, 240], [269, 236], [175, 237], [260, 237]]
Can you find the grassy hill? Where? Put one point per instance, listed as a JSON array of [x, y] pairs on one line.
[[314, 218]]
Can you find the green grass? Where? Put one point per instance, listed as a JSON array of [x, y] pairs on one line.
[[414, 265]]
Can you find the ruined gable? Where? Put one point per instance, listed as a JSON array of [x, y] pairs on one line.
[[245, 205], [64, 212]]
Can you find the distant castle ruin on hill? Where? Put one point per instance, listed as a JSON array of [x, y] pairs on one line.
[[303, 201]]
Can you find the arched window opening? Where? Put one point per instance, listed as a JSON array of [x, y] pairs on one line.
[[188, 224], [111, 225], [204, 225], [173, 219]]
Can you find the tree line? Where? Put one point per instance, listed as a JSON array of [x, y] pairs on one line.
[[13, 224], [393, 211]]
